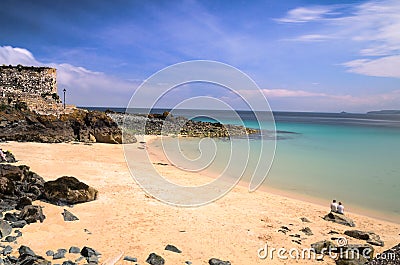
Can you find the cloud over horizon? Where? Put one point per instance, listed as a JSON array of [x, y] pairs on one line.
[[374, 24]]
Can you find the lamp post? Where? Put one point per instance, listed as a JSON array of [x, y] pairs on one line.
[[64, 97]]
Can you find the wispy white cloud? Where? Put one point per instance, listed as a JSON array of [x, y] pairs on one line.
[[85, 87], [388, 66], [312, 38], [307, 14], [375, 23]]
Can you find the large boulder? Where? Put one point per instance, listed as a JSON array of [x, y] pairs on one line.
[[370, 237], [340, 219], [68, 190]]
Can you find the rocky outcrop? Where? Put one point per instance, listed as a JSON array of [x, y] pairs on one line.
[[68, 190], [18, 186], [165, 124], [80, 125], [370, 237], [340, 219]]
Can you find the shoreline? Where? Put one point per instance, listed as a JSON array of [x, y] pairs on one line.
[[124, 219], [357, 210]]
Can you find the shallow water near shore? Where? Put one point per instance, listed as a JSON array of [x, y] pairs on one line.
[[353, 158], [354, 161]]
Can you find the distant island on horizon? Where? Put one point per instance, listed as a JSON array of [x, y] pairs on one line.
[[118, 109]]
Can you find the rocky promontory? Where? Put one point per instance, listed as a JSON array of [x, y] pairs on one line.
[[166, 124], [17, 123]]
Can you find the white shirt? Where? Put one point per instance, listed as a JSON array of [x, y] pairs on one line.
[[340, 209], [334, 207]]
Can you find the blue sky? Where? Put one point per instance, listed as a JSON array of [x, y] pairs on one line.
[[304, 55]]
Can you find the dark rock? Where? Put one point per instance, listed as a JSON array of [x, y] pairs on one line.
[[32, 214], [354, 254], [307, 231], [18, 186], [9, 157], [155, 259], [68, 262], [79, 259], [19, 224], [92, 259], [7, 250], [28, 259], [11, 259], [24, 201], [11, 217], [49, 253], [339, 218], [332, 232], [69, 217], [284, 229], [60, 254], [24, 250], [19, 233], [131, 259], [320, 245], [74, 250], [370, 237], [215, 261], [298, 241], [5, 228], [305, 220], [88, 252], [68, 190], [172, 248], [357, 234], [388, 257], [10, 238], [188, 262]]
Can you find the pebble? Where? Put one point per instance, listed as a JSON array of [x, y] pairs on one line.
[[128, 258]]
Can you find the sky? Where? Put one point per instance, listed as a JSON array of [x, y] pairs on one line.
[[326, 56]]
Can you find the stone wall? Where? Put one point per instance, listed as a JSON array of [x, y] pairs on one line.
[[36, 86]]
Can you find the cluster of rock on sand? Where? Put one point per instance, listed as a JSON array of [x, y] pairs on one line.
[[19, 187]]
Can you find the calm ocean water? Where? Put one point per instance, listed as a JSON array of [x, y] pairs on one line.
[[354, 158]]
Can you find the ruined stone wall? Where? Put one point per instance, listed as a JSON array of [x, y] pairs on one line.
[[36, 86]]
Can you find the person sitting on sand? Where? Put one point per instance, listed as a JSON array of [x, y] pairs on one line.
[[340, 208], [2, 155], [334, 206]]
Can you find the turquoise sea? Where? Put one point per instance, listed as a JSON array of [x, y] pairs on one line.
[[354, 158]]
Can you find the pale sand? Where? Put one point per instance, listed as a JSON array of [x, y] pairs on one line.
[[125, 219]]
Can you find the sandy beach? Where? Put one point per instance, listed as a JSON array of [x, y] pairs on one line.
[[124, 219]]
